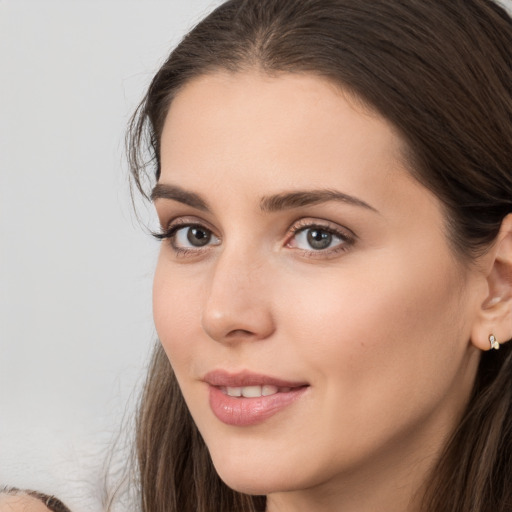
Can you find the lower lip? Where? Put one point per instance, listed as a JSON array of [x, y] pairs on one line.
[[243, 412]]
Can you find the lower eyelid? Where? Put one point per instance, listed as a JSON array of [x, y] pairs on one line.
[[324, 254]]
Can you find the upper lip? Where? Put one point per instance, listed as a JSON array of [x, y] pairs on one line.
[[223, 378]]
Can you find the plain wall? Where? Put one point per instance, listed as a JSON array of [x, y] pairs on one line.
[[75, 265]]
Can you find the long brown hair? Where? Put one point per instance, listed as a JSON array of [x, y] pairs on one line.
[[441, 72]]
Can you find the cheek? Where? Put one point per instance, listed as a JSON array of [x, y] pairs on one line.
[[359, 317], [380, 338], [368, 306], [176, 312]]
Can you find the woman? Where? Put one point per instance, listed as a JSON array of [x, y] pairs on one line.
[[12, 499], [333, 180]]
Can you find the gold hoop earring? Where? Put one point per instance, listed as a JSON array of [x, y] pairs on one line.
[[494, 342]]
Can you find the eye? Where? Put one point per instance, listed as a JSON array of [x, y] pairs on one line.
[[195, 236], [317, 240], [184, 238]]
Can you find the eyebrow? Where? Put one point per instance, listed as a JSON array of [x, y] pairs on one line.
[[297, 199], [270, 204], [175, 193]]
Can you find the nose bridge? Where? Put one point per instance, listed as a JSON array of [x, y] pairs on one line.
[[236, 303]]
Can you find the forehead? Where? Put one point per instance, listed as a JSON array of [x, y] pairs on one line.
[[274, 133], [251, 99]]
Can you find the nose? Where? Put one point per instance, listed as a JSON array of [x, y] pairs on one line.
[[237, 303]]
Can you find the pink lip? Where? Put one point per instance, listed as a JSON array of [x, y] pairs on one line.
[[221, 378], [241, 411]]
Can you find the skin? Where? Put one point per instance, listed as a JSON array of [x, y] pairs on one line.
[[21, 503], [379, 325]]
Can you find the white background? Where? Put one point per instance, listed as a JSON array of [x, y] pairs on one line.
[[75, 266]]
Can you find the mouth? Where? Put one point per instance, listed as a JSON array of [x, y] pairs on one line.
[[246, 379], [253, 391], [245, 398]]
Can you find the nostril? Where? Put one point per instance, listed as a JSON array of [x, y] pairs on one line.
[[240, 333]]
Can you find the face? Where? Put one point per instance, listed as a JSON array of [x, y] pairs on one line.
[[306, 294], [21, 503]]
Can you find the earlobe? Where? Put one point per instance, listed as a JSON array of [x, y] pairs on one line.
[[494, 324]]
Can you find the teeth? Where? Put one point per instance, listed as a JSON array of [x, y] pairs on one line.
[[252, 391], [234, 391], [269, 390]]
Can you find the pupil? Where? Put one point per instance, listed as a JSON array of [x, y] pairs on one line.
[[198, 237], [319, 239]]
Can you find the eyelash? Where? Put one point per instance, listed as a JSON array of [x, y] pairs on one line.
[[347, 238], [171, 232]]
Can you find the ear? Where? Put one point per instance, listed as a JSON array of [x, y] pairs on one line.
[[495, 313]]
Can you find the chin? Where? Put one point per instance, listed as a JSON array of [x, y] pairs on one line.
[[258, 477], [251, 484]]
